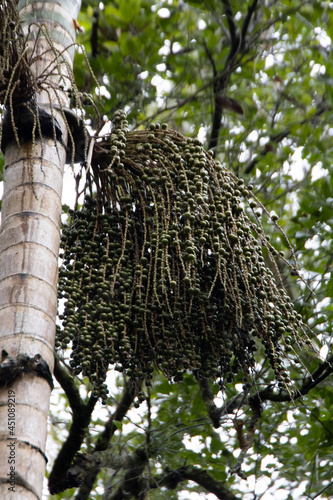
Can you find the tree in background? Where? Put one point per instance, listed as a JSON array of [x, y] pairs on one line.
[[253, 82]]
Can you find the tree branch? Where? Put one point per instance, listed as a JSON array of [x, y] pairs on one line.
[[250, 11], [208, 398], [221, 80], [216, 126], [132, 484], [120, 412], [269, 146], [94, 33], [58, 480], [324, 370], [68, 383], [172, 478], [211, 59], [103, 441], [277, 138], [234, 37]]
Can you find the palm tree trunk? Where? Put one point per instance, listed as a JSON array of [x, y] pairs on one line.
[[29, 245]]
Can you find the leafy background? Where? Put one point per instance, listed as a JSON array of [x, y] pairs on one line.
[[165, 61], [170, 61]]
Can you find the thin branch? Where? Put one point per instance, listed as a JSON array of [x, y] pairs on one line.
[[234, 37], [250, 11], [321, 491], [277, 138], [269, 147], [221, 80], [211, 59]]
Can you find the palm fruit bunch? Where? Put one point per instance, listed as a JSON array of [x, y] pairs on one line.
[[163, 269]]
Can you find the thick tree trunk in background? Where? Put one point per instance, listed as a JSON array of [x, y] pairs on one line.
[[29, 244]]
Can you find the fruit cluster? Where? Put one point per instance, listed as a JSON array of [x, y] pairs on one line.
[[163, 268]]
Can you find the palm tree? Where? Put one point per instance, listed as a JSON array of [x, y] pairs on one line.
[[35, 59]]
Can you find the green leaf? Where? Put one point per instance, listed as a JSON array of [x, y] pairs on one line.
[[118, 424], [129, 9]]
